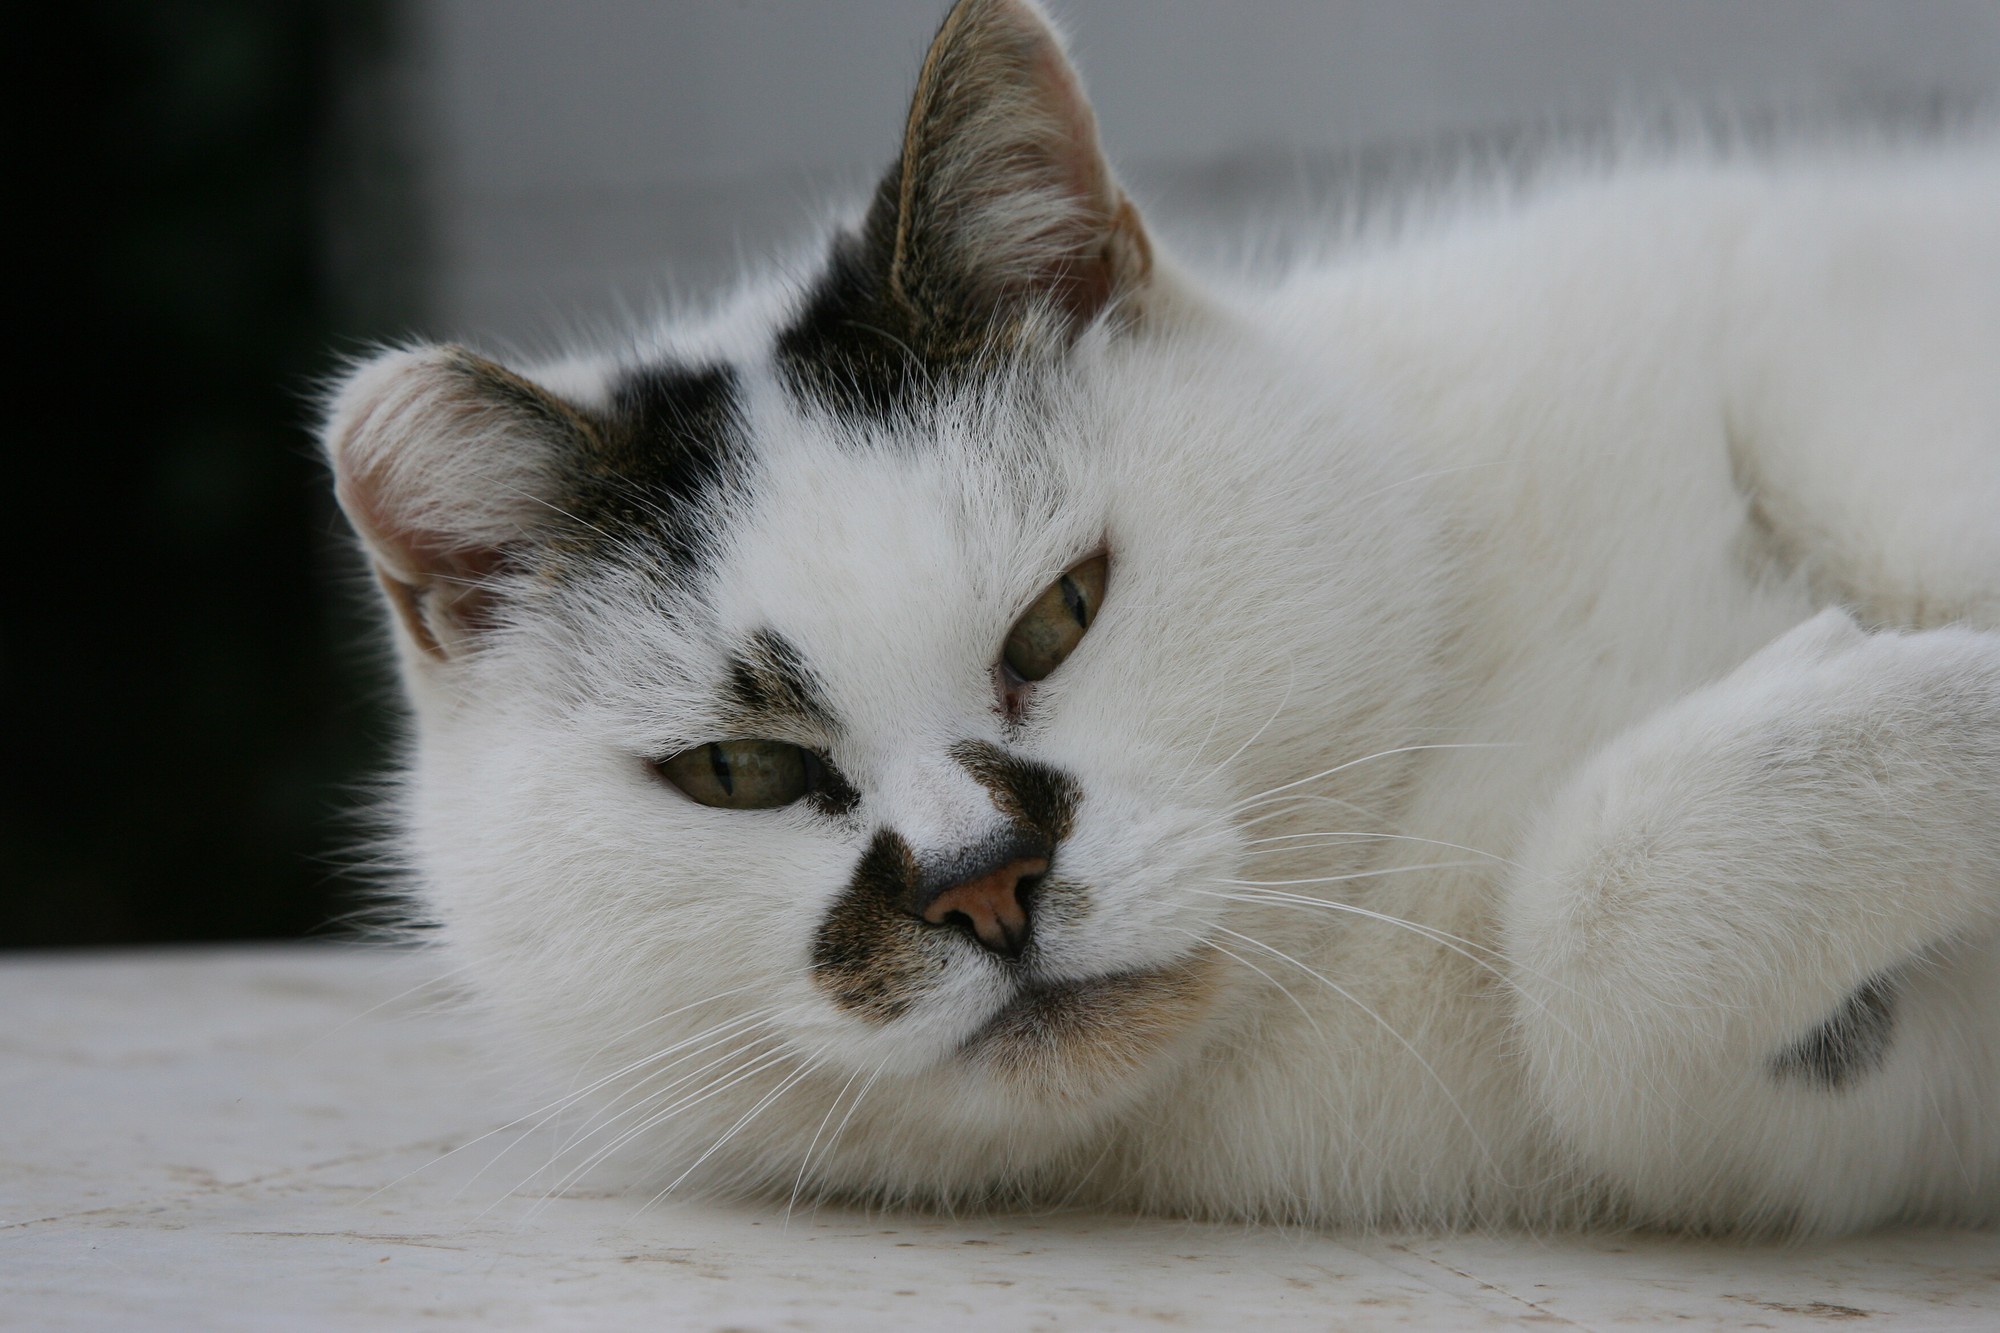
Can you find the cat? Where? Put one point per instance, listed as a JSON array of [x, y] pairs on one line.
[[1498, 726]]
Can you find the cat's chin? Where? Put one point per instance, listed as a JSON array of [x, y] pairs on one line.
[[1078, 1042]]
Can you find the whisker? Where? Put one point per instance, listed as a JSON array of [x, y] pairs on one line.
[[1366, 758], [1291, 679], [1386, 837], [657, 1019], [1358, 874], [428, 983], [805, 1162], [605, 1116], [750, 1068], [1458, 944], [542, 1114], [1273, 898], [708, 1041], [1292, 805], [854, 1106], [1385, 1025], [790, 1081], [1285, 990]]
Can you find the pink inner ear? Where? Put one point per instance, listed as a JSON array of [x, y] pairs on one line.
[[439, 456], [1079, 163], [1003, 175], [437, 586], [1083, 280]]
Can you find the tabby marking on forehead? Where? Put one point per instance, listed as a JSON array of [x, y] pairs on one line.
[[768, 679], [672, 440]]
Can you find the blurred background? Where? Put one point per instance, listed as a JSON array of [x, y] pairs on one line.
[[223, 198]]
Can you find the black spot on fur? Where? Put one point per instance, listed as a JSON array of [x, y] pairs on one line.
[[871, 955], [773, 692], [860, 347], [671, 439], [770, 676], [1033, 797], [851, 348], [831, 793], [1852, 1043]]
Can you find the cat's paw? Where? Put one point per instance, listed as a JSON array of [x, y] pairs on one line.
[[1733, 892], [1895, 684]]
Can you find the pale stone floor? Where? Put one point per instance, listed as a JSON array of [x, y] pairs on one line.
[[253, 1138]]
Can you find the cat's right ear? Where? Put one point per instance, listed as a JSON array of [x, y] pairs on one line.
[[444, 463]]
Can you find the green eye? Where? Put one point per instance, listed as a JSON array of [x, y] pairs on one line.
[[743, 775], [1049, 631]]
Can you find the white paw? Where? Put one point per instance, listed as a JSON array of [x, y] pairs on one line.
[[1949, 675]]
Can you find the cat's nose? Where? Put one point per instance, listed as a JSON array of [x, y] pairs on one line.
[[992, 905]]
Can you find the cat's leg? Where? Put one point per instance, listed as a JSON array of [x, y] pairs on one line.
[[1754, 939]]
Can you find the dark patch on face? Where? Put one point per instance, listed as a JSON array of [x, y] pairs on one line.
[[1852, 1043], [873, 952], [672, 437], [871, 956], [770, 676], [832, 795], [862, 346], [1032, 796]]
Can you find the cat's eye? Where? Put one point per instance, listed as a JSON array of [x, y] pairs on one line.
[[744, 775], [1049, 631]]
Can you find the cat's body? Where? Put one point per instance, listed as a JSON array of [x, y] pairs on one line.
[[1443, 583]]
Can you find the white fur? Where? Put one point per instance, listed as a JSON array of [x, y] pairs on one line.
[[1479, 486]]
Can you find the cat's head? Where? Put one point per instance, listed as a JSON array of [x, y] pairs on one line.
[[850, 700]]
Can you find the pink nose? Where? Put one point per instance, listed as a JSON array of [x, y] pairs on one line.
[[991, 905]]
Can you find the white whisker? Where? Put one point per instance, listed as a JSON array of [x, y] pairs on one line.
[[750, 1068], [1385, 1025], [541, 1115], [1354, 875], [854, 1106], [1367, 758], [805, 1162], [790, 1081], [1386, 837], [1283, 989]]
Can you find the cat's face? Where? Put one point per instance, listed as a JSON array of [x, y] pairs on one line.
[[776, 764], [859, 694]]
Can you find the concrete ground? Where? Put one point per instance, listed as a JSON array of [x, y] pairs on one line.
[[291, 1138]]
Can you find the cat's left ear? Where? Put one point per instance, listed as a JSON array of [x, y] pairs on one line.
[[1001, 204]]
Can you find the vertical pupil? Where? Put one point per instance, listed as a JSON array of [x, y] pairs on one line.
[[718, 760], [1073, 599]]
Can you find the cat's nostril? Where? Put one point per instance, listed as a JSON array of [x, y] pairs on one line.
[[994, 906]]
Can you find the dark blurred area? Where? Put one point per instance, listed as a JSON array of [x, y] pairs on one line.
[[191, 695]]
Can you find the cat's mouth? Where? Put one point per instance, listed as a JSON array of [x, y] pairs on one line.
[[1070, 1036]]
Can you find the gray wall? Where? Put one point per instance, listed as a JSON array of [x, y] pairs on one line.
[[584, 159]]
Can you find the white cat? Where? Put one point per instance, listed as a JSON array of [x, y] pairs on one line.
[[1501, 726]]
